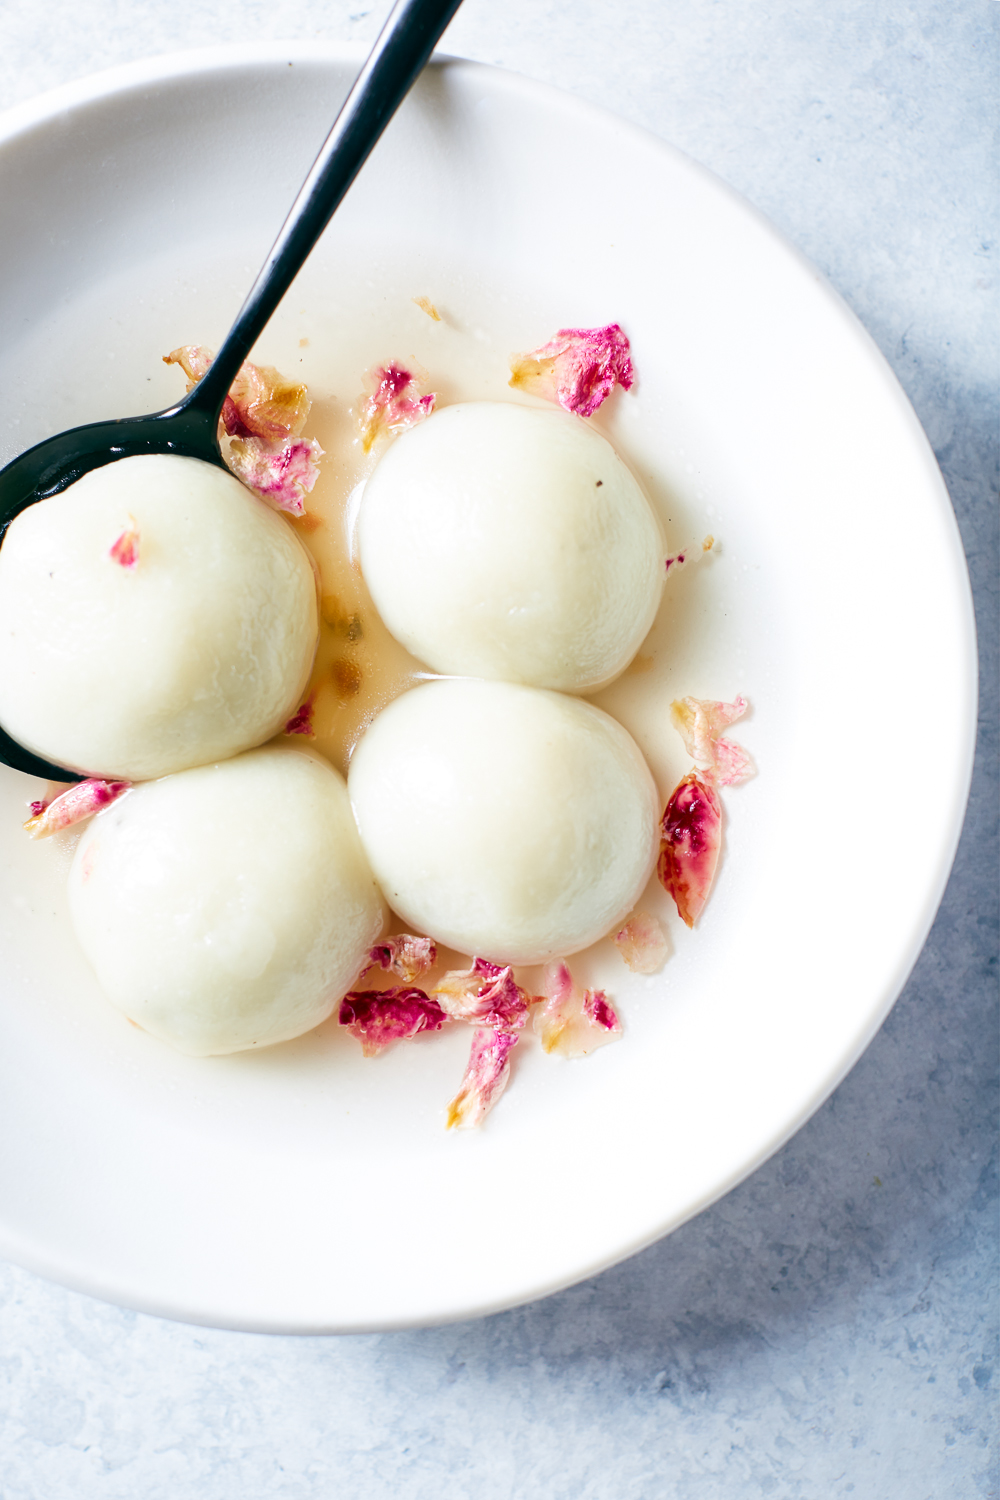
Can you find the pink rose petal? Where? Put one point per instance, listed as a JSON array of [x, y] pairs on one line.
[[125, 550], [579, 368], [392, 402], [405, 955], [486, 994], [261, 402], [485, 1077], [282, 473], [700, 723], [691, 838], [263, 415], [301, 721], [642, 942], [572, 1021], [378, 1017], [77, 802]]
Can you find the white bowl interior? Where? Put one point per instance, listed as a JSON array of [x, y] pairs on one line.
[[307, 1188]]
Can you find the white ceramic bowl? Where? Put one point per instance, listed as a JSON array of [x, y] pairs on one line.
[[307, 1188]]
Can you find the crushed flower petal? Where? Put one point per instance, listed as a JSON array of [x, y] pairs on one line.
[[301, 721], [73, 805], [642, 943], [486, 993], [125, 550], [392, 401], [264, 415], [405, 955], [426, 305], [282, 474], [261, 402], [700, 723], [579, 368], [378, 1017], [485, 1078], [691, 838], [572, 1021]]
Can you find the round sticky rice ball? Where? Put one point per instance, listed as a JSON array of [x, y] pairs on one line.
[[508, 542], [507, 822], [230, 906], [194, 643]]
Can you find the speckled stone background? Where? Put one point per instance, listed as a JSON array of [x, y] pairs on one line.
[[830, 1327]]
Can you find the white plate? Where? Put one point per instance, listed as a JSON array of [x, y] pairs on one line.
[[309, 1189]]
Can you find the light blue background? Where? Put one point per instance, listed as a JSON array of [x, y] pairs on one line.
[[829, 1328]]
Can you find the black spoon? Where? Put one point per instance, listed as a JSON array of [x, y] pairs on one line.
[[191, 427]]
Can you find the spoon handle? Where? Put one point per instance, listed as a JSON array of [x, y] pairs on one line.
[[405, 43]]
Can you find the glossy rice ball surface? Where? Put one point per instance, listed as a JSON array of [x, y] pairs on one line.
[[510, 542], [200, 650], [230, 906], [510, 823]]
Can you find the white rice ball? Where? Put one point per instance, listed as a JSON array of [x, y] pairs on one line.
[[199, 650], [509, 542], [507, 822], [229, 906]]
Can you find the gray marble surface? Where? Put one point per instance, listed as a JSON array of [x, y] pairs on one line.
[[830, 1327]]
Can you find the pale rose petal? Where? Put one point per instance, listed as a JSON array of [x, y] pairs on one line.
[[579, 368], [405, 955], [642, 943], [572, 1021], [261, 402], [733, 765], [691, 837], [486, 993], [301, 721], [282, 474], [485, 1077], [263, 416], [125, 550], [193, 359], [700, 723], [73, 805], [378, 1017], [392, 402]]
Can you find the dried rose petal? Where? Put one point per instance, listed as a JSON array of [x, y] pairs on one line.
[[73, 805], [571, 1021], [301, 721], [700, 723], [405, 955], [392, 401], [642, 943], [691, 837], [194, 360], [486, 993], [125, 551], [263, 415], [261, 402], [485, 1077], [579, 368], [282, 474], [378, 1017]]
